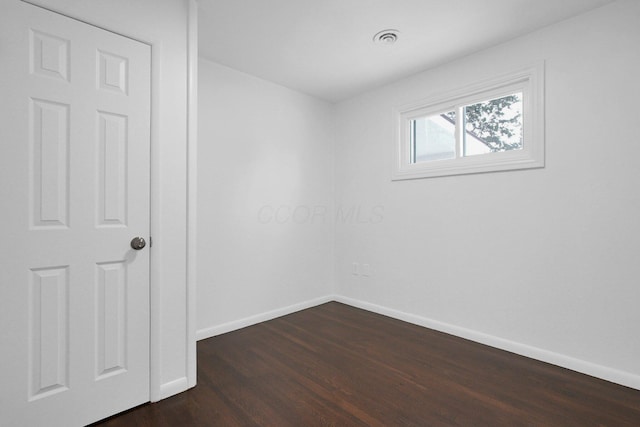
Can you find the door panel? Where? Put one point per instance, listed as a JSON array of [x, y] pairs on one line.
[[74, 189]]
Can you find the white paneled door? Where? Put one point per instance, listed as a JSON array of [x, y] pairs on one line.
[[74, 193]]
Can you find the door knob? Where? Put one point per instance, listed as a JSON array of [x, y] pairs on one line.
[[138, 243]]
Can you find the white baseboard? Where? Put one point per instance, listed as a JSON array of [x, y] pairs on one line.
[[592, 369], [263, 317], [172, 388]]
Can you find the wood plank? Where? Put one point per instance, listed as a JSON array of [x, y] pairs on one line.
[[335, 365]]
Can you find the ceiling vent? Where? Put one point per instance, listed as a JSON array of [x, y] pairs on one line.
[[386, 37]]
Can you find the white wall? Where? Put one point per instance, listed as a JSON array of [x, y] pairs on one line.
[[543, 261], [163, 24], [265, 192]]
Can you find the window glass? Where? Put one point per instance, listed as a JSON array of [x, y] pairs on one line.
[[434, 137], [493, 126]]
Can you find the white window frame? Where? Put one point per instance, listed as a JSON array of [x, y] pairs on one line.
[[529, 81]]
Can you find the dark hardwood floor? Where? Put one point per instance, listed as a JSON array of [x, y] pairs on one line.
[[335, 365]]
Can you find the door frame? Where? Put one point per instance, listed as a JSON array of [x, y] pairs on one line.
[[157, 389], [192, 190]]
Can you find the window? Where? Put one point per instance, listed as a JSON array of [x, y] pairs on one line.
[[491, 126]]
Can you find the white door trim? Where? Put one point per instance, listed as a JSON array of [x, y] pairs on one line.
[[158, 389], [192, 190]]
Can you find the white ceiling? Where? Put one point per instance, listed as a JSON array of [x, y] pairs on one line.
[[324, 47]]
